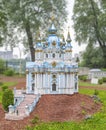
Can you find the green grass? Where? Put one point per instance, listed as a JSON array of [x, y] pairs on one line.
[[82, 83], [9, 84], [97, 122]]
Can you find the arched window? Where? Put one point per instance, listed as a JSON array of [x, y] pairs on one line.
[[60, 55], [75, 86], [33, 76], [53, 55], [53, 87], [33, 86], [46, 55], [53, 76]]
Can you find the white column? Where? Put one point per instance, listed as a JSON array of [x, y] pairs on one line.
[[35, 84], [73, 84], [67, 81], [59, 81], [27, 83], [44, 80]]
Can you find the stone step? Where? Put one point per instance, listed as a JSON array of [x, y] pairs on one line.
[[28, 99]]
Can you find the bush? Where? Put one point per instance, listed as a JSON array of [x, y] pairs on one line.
[[7, 99], [83, 77], [104, 79], [100, 81], [4, 88], [35, 120], [96, 92], [9, 72]]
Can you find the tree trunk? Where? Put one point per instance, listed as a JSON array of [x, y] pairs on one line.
[[30, 40], [100, 40], [104, 55]]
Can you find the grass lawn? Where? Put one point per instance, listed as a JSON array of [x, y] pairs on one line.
[[82, 83], [97, 122]]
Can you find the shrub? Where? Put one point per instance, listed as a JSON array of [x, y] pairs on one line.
[[100, 81], [83, 77], [4, 88], [9, 72], [104, 79], [35, 120], [96, 92], [7, 99]]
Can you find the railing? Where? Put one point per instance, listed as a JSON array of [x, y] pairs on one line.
[[30, 107]]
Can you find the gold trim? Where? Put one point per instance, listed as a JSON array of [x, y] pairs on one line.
[[54, 43], [38, 50], [68, 50], [54, 63]]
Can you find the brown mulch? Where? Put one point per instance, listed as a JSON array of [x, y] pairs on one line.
[[52, 108], [93, 87], [65, 107]]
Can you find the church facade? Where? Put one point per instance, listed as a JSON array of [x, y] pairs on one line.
[[53, 71]]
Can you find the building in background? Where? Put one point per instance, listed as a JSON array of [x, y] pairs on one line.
[[6, 55]]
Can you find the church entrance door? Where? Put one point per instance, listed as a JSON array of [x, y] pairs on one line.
[[53, 87]]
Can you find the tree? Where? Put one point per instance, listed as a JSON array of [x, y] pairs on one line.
[[2, 65], [7, 99], [92, 57], [3, 19], [27, 16], [90, 23]]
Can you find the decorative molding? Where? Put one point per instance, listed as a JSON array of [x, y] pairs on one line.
[[68, 50], [38, 50]]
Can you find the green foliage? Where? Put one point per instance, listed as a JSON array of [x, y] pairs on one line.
[[28, 16], [83, 77], [9, 72], [4, 87], [3, 21], [7, 99], [96, 92], [35, 120], [100, 81], [92, 57], [104, 79], [89, 22]]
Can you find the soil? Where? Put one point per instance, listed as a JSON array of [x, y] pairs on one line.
[[52, 107]]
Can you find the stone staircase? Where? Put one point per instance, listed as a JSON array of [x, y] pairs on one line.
[[23, 110]]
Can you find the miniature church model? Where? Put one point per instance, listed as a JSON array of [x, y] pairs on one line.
[[53, 71]]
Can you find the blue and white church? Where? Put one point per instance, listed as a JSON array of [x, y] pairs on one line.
[[54, 71]]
